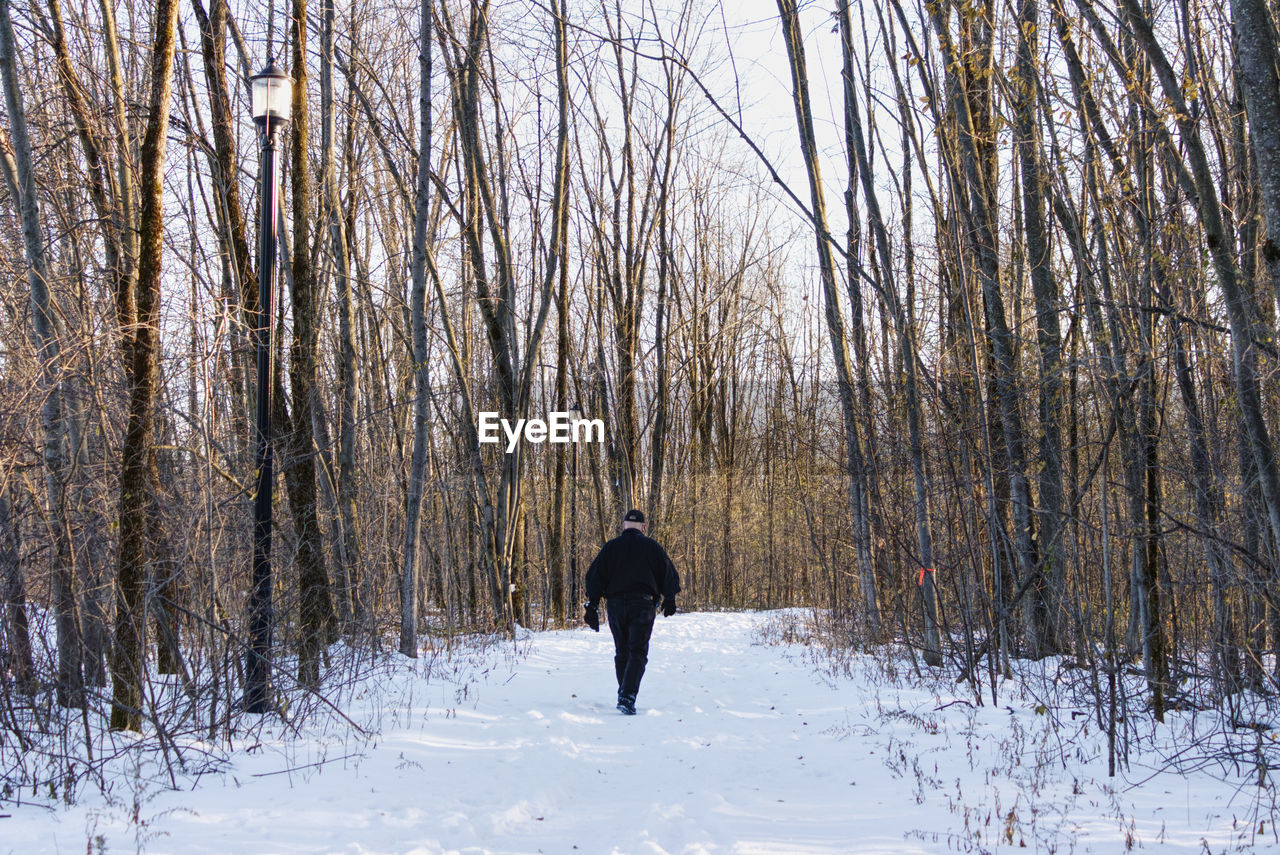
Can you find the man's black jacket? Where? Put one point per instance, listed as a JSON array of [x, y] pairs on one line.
[[632, 563]]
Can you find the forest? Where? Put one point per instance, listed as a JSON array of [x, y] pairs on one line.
[[971, 352]]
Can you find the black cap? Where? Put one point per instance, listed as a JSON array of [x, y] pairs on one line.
[[633, 516]]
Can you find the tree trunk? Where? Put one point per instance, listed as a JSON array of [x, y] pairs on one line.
[[315, 605], [666, 269], [1197, 174], [1208, 502], [112, 192], [1153, 593], [1048, 607], [421, 370], [70, 683], [834, 312], [974, 173], [556, 564], [861, 464], [213, 37], [128, 664], [350, 606], [485, 221], [1256, 50], [17, 661]]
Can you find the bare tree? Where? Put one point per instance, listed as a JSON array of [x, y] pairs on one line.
[[834, 311], [315, 604], [18, 660], [1050, 581], [422, 259], [137, 485], [350, 605], [70, 684]]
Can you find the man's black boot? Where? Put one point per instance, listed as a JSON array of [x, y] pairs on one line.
[[626, 704]]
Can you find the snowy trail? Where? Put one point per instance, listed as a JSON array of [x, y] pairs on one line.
[[723, 750], [738, 748]]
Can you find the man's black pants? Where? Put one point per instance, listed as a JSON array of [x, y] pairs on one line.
[[631, 622]]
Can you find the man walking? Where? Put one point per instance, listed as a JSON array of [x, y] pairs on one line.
[[634, 574]]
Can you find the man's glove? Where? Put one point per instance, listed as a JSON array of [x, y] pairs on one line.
[[668, 606], [591, 616]]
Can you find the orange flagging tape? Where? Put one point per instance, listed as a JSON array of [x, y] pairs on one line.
[[923, 570]]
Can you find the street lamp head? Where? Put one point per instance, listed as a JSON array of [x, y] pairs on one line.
[[272, 96]]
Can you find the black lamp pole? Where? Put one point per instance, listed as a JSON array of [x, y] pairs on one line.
[[258, 689], [575, 414]]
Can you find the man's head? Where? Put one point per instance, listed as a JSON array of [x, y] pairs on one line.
[[633, 519]]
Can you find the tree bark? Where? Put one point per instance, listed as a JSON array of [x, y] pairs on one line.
[[18, 660], [1256, 50], [901, 317], [70, 683], [666, 270], [213, 37], [1197, 173], [973, 174], [112, 192], [1047, 609], [560, 569], [833, 310], [350, 604], [315, 605], [862, 493], [421, 369], [128, 660]]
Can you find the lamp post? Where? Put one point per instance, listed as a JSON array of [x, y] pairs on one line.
[[271, 100], [575, 414]]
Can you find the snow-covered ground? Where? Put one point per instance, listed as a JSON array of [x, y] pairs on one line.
[[740, 747]]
